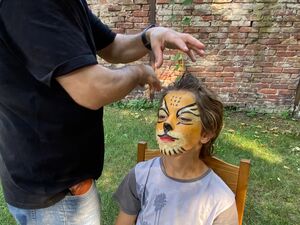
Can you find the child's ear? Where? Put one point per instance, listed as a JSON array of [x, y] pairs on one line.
[[205, 137]]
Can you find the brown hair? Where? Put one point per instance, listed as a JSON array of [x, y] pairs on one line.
[[210, 108]]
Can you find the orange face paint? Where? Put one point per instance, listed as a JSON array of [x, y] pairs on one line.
[[178, 127]]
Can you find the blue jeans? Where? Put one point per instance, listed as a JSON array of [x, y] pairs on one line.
[[72, 210]]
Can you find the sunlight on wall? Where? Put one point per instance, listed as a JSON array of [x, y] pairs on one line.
[[257, 149]]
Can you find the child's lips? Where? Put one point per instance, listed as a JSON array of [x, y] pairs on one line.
[[167, 138]]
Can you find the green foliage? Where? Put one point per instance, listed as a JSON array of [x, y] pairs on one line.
[[187, 20], [5, 217], [251, 113], [286, 115], [172, 18], [187, 2], [177, 57], [136, 104]]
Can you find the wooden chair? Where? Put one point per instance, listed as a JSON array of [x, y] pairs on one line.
[[236, 177]]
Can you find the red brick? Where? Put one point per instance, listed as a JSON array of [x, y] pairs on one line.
[[190, 30], [294, 47], [279, 86], [248, 30], [224, 74], [267, 91], [269, 41], [229, 79], [214, 68], [237, 35], [162, 1], [207, 17], [140, 13], [272, 70], [291, 70], [286, 54], [124, 25], [113, 8], [285, 92], [135, 19], [233, 69], [232, 90]]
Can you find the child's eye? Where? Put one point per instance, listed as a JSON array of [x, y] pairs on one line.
[[162, 116], [184, 119]]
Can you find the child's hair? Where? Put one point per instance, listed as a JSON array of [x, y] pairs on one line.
[[210, 108]]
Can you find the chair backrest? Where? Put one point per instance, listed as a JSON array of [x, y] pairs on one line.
[[236, 177]]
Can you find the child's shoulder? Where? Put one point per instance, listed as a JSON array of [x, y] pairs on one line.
[[219, 188], [148, 164]]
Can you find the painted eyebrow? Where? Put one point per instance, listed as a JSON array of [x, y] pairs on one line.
[[164, 107], [188, 109]]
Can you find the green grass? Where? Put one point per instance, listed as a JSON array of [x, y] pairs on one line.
[[272, 144]]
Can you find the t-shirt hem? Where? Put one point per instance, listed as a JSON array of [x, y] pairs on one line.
[[36, 206]]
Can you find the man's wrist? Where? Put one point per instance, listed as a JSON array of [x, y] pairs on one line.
[[145, 39], [136, 72]]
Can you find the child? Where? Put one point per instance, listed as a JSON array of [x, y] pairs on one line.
[[178, 188]]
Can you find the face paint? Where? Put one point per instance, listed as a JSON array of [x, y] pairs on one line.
[[178, 127]]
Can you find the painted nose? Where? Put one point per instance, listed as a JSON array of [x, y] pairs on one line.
[[167, 127]]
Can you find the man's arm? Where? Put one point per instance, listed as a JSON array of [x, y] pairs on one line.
[[125, 219], [124, 49], [128, 48], [95, 86]]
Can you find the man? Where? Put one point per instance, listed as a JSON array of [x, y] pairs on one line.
[[52, 91]]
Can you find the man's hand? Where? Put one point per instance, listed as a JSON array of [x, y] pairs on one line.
[[96, 86], [148, 76], [162, 38]]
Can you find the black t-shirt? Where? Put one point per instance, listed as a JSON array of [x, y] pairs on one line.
[[47, 141]]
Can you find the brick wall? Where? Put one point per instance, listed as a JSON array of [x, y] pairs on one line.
[[252, 46]]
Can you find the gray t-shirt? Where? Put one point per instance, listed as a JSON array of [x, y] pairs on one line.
[[147, 191]]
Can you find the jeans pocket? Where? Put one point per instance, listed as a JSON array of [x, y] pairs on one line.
[[85, 195]]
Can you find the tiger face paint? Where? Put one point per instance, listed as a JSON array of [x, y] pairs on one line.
[[178, 127]]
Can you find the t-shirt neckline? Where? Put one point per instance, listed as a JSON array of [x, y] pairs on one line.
[[182, 180]]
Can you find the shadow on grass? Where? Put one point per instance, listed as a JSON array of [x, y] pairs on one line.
[[274, 187]]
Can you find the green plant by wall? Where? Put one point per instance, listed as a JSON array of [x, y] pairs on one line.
[[136, 104]]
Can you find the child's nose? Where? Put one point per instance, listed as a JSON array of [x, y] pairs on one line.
[[167, 127]]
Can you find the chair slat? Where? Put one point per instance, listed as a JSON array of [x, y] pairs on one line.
[[228, 172]]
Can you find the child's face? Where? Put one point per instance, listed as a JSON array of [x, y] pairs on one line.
[[178, 127]]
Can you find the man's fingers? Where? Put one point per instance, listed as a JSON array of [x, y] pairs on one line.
[[155, 84], [158, 54], [181, 45], [191, 54], [193, 42], [195, 45], [199, 52], [174, 40], [150, 78]]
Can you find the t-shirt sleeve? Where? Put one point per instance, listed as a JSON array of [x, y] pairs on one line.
[[103, 35], [126, 195], [227, 217], [49, 37]]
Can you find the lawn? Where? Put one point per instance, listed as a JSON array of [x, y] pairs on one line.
[[272, 143]]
